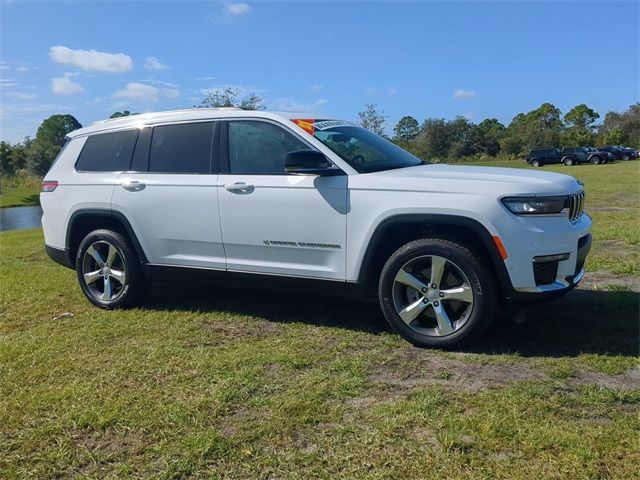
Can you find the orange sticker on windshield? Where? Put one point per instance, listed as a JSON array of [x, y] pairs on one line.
[[305, 124]]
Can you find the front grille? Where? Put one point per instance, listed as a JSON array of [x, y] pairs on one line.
[[545, 273], [575, 204]]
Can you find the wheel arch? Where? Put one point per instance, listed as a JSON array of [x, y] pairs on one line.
[[393, 232], [84, 221]]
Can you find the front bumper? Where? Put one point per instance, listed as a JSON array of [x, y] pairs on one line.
[[529, 239]]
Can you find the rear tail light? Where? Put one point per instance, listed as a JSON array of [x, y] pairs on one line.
[[49, 186]]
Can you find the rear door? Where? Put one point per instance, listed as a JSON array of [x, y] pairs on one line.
[[170, 195], [273, 222]]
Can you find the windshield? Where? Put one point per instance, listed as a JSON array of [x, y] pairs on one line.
[[363, 150]]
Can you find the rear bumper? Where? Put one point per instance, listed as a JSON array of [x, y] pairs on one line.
[[60, 256]]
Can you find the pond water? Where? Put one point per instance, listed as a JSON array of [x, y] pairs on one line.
[[19, 218]]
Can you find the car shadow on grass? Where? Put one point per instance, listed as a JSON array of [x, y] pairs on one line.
[[584, 321]]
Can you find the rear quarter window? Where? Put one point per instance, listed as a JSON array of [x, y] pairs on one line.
[[107, 152]]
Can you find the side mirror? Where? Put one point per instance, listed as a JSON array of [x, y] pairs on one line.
[[309, 162]]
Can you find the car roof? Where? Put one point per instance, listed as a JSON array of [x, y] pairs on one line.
[[172, 116]]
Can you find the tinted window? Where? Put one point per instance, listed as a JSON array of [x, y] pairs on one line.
[[140, 161], [107, 152], [259, 148], [184, 148]]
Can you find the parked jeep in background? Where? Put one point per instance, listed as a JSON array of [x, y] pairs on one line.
[[620, 152], [540, 157], [574, 155]]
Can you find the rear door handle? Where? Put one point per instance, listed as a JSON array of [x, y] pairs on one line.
[[239, 187], [133, 185]]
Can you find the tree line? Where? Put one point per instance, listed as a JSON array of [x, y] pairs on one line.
[[543, 127], [434, 138]]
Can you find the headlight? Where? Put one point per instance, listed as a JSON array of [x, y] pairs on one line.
[[535, 205]]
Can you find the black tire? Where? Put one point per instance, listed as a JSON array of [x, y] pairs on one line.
[[596, 160], [126, 293], [475, 319], [535, 163], [625, 158], [568, 161]]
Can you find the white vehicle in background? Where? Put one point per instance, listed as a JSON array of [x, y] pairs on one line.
[[304, 197]]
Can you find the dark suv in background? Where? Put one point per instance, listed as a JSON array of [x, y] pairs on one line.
[[573, 155], [546, 156], [619, 153]]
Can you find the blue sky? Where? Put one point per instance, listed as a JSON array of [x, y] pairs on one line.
[[426, 59]]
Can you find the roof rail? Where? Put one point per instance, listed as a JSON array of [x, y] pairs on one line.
[[168, 112]]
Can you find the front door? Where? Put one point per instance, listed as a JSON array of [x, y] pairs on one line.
[[273, 222]]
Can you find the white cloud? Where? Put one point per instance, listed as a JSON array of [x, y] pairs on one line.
[[142, 93], [65, 86], [8, 83], [370, 91], [463, 94], [20, 96], [237, 9], [22, 69], [230, 13], [392, 91], [291, 105], [152, 63], [315, 87], [91, 59], [4, 66]]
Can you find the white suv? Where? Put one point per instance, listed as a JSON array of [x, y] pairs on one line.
[[290, 195]]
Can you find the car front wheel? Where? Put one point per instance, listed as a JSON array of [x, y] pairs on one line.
[[535, 163], [436, 293], [595, 160], [108, 270], [568, 161]]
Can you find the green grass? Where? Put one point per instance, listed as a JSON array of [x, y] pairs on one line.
[[222, 383], [16, 192]]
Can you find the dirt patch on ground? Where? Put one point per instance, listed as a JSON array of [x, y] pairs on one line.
[[414, 368], [600, 280], [418, 367], [628, 380], [110, 442]]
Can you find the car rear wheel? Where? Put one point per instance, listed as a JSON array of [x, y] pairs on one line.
[[625, 157], [595, 160], [108, 270], [535, 163], [436, 293], [568, 161]]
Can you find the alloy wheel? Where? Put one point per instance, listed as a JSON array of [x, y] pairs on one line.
[[103, 271], [432, 295]]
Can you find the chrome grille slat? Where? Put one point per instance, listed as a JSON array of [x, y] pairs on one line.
[[576, 206]]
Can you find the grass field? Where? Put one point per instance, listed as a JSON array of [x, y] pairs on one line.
[[18, 192], [224, 383]]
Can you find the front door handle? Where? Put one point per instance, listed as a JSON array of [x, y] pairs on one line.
[[133, 185], [239, 187]]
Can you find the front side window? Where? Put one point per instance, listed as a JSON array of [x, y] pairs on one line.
[[259, 148], [107, 152], [363, 150], [181, 148]]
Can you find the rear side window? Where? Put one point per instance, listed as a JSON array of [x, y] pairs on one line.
[[184, 148], [107, 152]]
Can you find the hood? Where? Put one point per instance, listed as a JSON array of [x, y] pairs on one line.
[[465, 178]]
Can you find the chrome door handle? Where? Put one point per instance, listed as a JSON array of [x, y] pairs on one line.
[[239, 187], [133, 185]]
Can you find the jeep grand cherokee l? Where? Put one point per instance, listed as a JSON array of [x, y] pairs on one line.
[[305, 197]]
